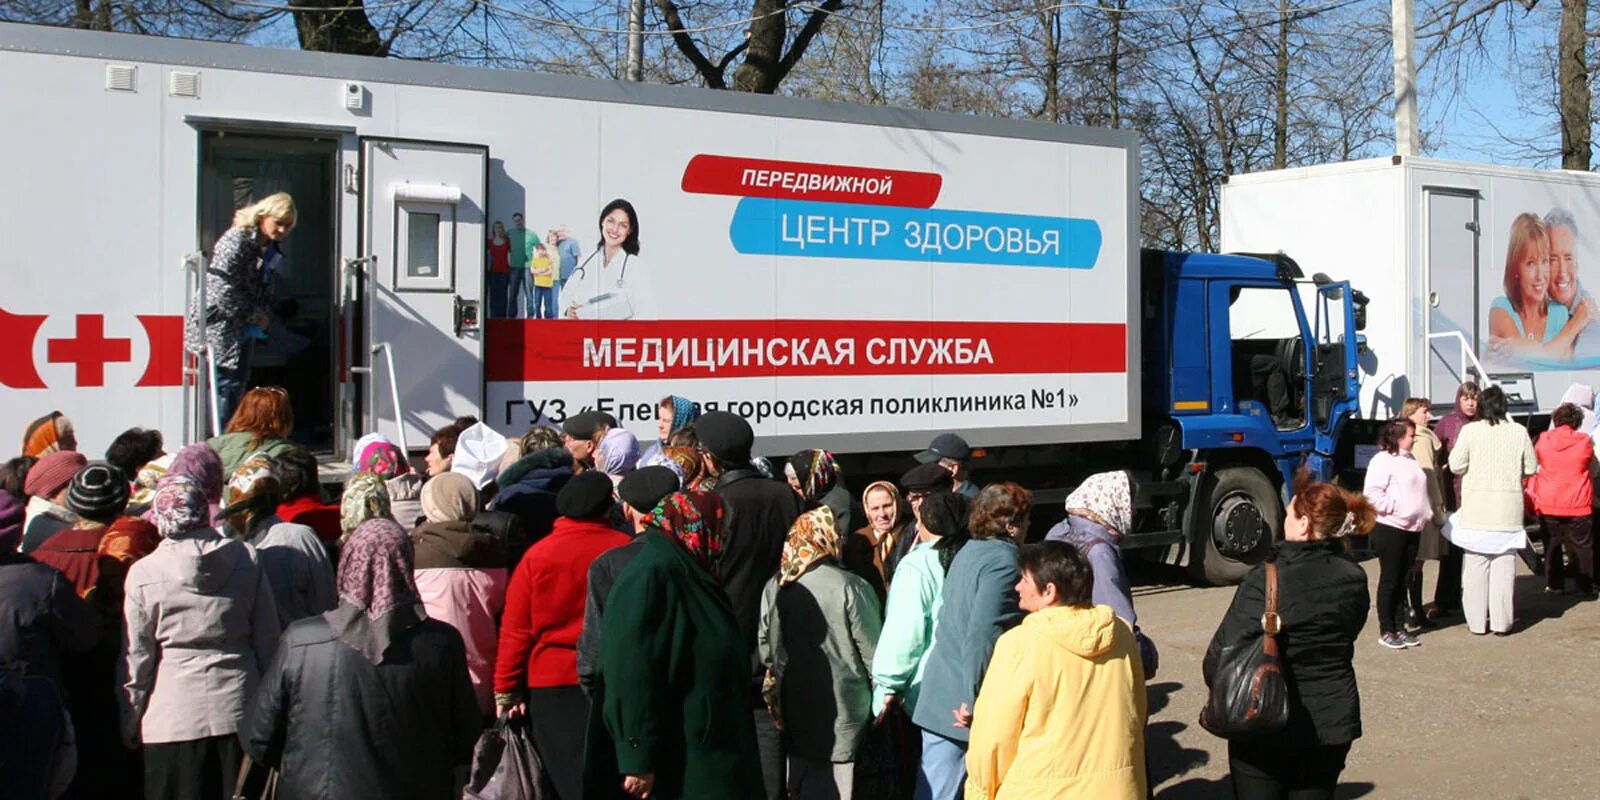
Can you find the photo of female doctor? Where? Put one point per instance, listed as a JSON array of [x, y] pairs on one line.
[[612, 283]]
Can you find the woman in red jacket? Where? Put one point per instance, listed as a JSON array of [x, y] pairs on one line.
[[536, 670], [1562, 494]]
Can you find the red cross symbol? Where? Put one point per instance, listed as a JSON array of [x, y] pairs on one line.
[[90, 350]]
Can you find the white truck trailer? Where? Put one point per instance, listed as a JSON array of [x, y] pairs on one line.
[[847, 277], [1431, 244]]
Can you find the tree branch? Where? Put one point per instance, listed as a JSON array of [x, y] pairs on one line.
[[802, 40], [713, 74]]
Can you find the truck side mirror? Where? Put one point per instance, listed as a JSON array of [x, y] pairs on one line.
[[1360, 310]]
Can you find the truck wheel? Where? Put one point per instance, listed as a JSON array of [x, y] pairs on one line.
[[1238, 520]]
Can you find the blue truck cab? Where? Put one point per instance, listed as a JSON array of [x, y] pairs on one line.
[[1250, 374]]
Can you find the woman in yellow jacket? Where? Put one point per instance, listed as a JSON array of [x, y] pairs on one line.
[[1062, 711]]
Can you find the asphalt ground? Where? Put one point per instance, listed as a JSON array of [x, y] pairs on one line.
[[1462, 716]]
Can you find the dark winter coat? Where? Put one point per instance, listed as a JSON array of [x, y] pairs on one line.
[[602, 576], [759, 513], [673, 695], [337, 726], [1322, 603], [528, 489], [41, 618]]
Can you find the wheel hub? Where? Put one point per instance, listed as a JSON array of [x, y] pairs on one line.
[[1238, 528]]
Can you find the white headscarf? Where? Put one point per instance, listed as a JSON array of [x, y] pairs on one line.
[[1106, 498]]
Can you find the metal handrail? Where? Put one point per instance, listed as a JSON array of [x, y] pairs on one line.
[[394, 392], [1466, 356], [195, 264]]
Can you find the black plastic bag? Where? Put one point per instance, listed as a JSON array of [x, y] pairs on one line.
[[1248, 694], [505, 765]]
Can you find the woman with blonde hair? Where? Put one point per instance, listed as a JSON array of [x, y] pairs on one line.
[[238, 294]]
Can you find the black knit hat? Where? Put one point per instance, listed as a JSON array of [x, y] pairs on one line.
[[727, 436], [644, 487], [99, 492], [587, 424], [586, 495], [927, 478]]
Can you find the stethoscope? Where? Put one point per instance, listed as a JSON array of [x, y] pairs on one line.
[[577, 274]]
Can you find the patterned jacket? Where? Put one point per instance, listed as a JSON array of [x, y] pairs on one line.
[[235, 295]]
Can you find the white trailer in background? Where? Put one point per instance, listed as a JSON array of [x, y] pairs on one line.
[[1427, 241]]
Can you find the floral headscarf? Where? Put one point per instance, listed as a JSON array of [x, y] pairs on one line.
[[378, 597], [449, 497], [252, 493], [618, 453], [693, 520], [365, 497], [129, 539], [179, 506], [812, 539], [816, 471], [1106, 499], [383, 459], [144, 483], [199, 462]]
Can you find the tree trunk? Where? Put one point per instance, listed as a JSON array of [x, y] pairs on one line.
[[1280, 122], [760, 70], [343, 28], [1572, 76]]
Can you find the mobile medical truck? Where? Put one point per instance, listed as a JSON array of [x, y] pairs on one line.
[[851, 278]]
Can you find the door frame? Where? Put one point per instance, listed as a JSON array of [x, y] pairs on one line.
[[1476, 196], [207, 128], [361, 383]]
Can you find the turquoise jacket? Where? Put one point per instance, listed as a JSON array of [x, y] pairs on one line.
[[915, 598]]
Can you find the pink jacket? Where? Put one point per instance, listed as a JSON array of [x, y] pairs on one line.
[[1562, 487], [470, 600], [1398, 489]]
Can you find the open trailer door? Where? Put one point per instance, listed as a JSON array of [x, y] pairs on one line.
[[424, 234]]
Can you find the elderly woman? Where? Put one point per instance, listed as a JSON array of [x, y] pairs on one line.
[[1062, 711], [1492, 456], [1099, 513], [815, 475], [238, 294], [673, 414], [372, 698], [537, 669], [461, 574], [819, 628], [292, 557], [671, 715], [48, 434], [365, 497], [876, 548], [201, 624]]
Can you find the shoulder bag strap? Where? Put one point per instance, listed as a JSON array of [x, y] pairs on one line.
[[1270, 622]]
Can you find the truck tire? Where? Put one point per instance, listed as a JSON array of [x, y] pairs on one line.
[[1237, 520]]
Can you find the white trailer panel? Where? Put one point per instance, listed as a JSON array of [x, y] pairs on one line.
[[1427, 241]]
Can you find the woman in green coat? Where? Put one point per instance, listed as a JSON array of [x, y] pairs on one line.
[[671, 713]]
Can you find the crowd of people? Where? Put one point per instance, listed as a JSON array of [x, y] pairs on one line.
[[682, 619]]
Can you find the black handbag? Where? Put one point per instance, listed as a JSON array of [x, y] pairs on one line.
[[1248, 694]]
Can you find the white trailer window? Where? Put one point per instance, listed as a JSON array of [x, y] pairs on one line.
[[425, 247]]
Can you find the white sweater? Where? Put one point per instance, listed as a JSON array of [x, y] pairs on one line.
[[1492, 460]]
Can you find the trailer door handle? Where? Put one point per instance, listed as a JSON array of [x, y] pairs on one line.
[[1433, 299]]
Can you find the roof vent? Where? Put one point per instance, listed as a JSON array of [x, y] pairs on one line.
[[183, 84], [122, 78]]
